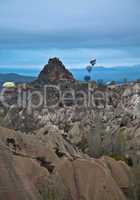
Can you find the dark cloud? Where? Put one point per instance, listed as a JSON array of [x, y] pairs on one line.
[[23, 40], [40, 26]]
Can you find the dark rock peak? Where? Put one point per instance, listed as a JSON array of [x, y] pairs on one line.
[[55, 61], [54, 72]]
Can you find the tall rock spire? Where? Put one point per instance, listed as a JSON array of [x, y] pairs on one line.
[[54, 72]]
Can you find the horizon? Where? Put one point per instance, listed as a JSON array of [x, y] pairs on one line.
[[35, 70], [118, 74]]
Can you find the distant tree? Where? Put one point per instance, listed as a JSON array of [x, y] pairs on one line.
[[138, 81], [125, 80], [100, 82], [113, 83], [87, 78]]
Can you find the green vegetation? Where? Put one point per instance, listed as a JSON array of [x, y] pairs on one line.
[[48, 195], [52, 191], [128, 160], [119, 158]]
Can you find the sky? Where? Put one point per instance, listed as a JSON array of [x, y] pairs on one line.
[[75, 31]]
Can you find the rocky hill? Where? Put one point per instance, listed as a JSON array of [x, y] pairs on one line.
[[53, 73], [15, 78], [89, 149], [47, 167]]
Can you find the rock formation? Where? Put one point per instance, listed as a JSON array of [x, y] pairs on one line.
[[54, 72], [31, 168], [71, 150]]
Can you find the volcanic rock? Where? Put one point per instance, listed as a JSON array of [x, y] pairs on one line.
[[54, 72], [25, 171]]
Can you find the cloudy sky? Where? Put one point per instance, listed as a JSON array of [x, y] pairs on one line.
[[75, 31]]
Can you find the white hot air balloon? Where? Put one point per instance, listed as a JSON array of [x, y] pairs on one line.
[[89, 69], [93, 61]]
